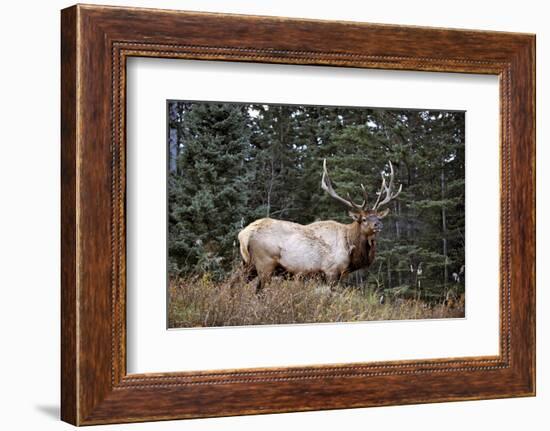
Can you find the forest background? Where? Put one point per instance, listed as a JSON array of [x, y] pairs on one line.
[[231, 163]]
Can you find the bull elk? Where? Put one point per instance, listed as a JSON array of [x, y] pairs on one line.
[[323, 247]]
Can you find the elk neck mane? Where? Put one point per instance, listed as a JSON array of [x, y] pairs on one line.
[[362, 249]]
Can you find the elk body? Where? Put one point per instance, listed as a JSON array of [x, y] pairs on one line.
[[324, 247]]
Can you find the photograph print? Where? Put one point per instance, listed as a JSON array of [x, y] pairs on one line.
[[292, 214]]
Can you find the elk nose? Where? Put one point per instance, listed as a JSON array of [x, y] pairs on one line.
[[378, 225]]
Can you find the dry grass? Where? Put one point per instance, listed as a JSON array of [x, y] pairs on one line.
[[201, 302]]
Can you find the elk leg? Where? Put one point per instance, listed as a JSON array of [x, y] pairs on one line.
[[250, 272], [258, 285], [265, 271]]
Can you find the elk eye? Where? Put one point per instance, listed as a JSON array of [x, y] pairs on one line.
[[364, 219]]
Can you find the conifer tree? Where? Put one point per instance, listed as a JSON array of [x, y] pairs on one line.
[[208, 192]]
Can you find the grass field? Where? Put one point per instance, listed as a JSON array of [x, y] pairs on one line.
[[202, 302]]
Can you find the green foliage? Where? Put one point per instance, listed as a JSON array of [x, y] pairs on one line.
[[231, 164], [206, 199]]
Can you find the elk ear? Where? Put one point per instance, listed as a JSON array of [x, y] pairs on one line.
[[354, 216], [384, 213]]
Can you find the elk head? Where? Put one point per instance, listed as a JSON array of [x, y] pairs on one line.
[[368, 218]]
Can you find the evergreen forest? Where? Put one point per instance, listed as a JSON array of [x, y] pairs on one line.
[[232, 163]]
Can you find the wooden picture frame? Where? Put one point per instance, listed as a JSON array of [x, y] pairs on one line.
[[95, 43]]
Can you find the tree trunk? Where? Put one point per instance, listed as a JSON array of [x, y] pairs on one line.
[[270, 187], [173, 150], [444, 232], [389, 272], [397, 208]]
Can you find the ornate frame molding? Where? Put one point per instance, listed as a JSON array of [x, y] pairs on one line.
[[96, 41]]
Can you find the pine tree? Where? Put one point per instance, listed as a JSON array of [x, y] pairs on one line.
[[208, 192]]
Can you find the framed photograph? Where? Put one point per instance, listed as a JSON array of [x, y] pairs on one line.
[[264, 215], [274, 182]]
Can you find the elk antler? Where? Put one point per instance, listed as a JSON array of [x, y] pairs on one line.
[[387, 190], [326, 185]]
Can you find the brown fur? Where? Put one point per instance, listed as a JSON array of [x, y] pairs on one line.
[[362, 248]]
